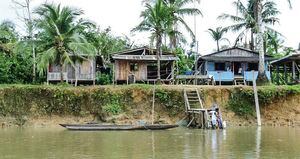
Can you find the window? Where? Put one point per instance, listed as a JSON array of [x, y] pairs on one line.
[[220, 66], [133, 67], [252, 66]]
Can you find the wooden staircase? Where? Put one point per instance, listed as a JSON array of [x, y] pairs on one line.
[[197, 114]]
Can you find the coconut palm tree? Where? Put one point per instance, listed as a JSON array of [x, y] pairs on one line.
[[246, 21], [179, 9], [258, 12], [217, 35], [59, 36], [156, 20]]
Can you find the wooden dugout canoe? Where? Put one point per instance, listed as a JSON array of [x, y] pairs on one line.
[[100, 127]]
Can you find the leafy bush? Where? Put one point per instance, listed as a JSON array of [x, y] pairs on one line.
[[113, 108], [171, 99], [242, 99], [104, 79], [241, 102]]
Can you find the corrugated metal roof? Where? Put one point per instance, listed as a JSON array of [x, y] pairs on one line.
[[234, 54], [144, 57], [291, 57]]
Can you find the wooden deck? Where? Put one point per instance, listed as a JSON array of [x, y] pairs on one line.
[[194, 79]]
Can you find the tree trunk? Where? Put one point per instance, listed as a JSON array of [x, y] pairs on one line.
[[218, 47], [34, 63], [262, 78], [76, 76], [61, 72], [173, 37], [158, 55], [252, 41]]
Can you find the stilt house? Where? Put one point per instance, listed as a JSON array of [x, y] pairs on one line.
[[286, 69], [231, 65], [140, 65], [83, 72]]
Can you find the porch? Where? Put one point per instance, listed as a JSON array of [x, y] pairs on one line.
[[82, 72], [55, 76], [229, 76]]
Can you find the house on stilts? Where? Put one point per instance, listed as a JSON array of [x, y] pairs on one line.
[[83, 71], [140, 66], [286, 70], [234, 65]]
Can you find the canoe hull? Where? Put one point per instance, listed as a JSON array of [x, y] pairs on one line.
[[100, 127]]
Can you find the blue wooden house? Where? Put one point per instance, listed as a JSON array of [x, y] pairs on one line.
[[231, 65]]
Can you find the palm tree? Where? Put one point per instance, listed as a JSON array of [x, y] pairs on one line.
[[59, 36], [258, 12], [105, 42], [8, 36], [156, 20], [178, 10], [246, 20], [217, 35], [273, 43]]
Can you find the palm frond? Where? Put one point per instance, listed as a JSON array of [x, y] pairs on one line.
[[189, 11], [231, 17]]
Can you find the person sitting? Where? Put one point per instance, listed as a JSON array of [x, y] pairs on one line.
[[240, 71]]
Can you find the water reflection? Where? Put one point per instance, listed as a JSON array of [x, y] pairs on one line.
[[180, 143], [258, 141], [153, 144]]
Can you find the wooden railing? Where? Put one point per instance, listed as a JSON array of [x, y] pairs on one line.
[[85, 76], [56, 76]]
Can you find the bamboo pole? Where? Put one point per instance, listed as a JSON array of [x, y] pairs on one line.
[[256, 101], [153, 104]]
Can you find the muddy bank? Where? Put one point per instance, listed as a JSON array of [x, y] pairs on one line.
[[47, 106]]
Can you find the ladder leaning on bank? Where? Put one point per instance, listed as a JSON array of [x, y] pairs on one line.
[[197, 114]]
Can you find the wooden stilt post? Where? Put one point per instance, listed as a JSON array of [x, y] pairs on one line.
[[113, 71], [256, 101], [294, 70], [285, 74], [220, 82], [277, 74]]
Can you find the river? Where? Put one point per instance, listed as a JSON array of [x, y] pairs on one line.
[[237, 142]]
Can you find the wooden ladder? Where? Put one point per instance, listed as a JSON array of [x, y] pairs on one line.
[[194, 105]]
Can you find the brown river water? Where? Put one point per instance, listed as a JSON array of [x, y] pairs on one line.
[[234, 142]]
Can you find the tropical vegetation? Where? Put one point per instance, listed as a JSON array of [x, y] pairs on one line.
[[255, 17], [60, 39], [59, 35], [161, 18], [217, 35]]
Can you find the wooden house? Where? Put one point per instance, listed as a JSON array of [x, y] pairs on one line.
[[286, 69], [231, 65], [140, 65], [83, 72]]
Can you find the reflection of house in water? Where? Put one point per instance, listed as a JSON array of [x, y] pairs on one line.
[[140, 65], [231, 65], [83, 72]]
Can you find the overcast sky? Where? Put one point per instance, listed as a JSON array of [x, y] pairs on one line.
[[123, 15]]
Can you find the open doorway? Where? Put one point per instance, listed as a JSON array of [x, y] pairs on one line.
[[237, 68]]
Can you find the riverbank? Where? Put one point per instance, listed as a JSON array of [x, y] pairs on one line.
[[47, 106]]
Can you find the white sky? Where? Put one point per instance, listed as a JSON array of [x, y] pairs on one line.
[[123, 15]]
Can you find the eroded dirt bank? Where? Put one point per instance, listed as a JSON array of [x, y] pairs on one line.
[[47, 106]]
